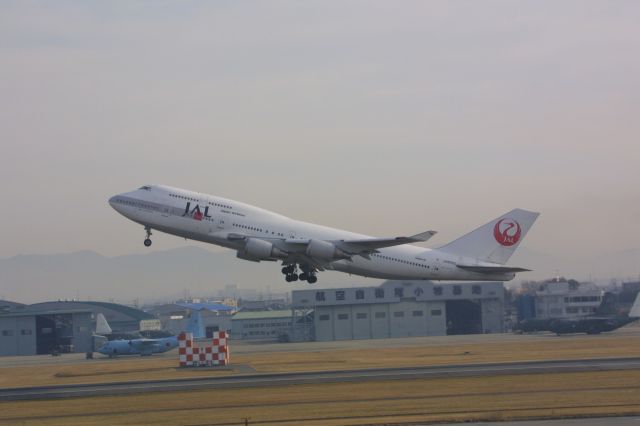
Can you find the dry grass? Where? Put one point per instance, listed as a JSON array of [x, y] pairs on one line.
[[460, 399], [573, 348], [101, 371]]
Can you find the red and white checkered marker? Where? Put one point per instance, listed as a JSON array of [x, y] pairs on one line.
[[190, 355]]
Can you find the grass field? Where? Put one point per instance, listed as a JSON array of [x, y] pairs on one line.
[[395, 401], [459, 399]]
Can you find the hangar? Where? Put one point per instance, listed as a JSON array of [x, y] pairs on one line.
[[66, 326], [404, 309], [36, 332]]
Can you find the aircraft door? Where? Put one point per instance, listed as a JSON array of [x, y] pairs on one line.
[[217, 224], [435, 268]]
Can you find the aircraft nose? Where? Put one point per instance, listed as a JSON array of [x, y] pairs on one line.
[[116, 203]]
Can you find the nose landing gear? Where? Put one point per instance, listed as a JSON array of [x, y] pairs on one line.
[[147, 241]]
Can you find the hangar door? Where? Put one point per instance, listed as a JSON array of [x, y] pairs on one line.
[[45, 334], [54, 332], [463, 317]]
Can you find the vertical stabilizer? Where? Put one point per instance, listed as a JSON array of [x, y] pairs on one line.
[[195, 325], [102, 326], [635, 309], [495, 241]]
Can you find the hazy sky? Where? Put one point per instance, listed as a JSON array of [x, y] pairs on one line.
[[385, 118]]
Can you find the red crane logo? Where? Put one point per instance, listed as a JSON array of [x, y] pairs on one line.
[[507, 232]]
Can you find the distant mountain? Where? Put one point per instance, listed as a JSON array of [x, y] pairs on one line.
[[164, 275], [159, 275]]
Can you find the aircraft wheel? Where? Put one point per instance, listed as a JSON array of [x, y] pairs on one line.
[[312, 279], [289, 278], [303, 276], [294, 277], [147, 242]]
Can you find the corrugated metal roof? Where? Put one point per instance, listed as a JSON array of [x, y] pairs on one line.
[[251, 315], [133, 313], [127, 310], [34, 312], [207, 306]]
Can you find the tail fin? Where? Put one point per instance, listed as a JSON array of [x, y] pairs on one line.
[[102, 326], [195, 324], [496, 241], [635, 309]]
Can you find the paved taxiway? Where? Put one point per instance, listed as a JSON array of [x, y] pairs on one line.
[[279, 379]]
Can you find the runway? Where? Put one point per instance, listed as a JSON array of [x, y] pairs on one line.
[[337, 376]]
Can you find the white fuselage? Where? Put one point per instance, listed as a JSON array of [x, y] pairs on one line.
[[170, 210]]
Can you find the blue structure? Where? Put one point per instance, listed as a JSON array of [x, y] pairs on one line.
[[526, 305]]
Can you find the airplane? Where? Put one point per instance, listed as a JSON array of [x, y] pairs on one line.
[[142, 347], [590, 324], [118, 345], [306, 248], [104, 330]]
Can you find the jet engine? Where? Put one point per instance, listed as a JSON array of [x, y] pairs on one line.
[[257, 249], [325, 250]]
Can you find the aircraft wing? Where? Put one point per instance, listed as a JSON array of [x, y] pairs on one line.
[[319, 254], [362, 246], [371, 244]]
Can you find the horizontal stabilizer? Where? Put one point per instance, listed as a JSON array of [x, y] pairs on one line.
[[491, 269]]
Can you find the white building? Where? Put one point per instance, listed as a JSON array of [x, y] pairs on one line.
[[567, 300], [262, 325], [404, 308]]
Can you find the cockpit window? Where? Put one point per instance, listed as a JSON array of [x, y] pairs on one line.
[[146, 188]]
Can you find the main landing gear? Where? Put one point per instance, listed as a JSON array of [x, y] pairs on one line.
[[147, 241], [291, 274]]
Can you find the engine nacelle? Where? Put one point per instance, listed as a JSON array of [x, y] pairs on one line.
[[324, 250], [257, 249]]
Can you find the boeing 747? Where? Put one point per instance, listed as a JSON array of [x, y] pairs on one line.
[[305, 248]]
